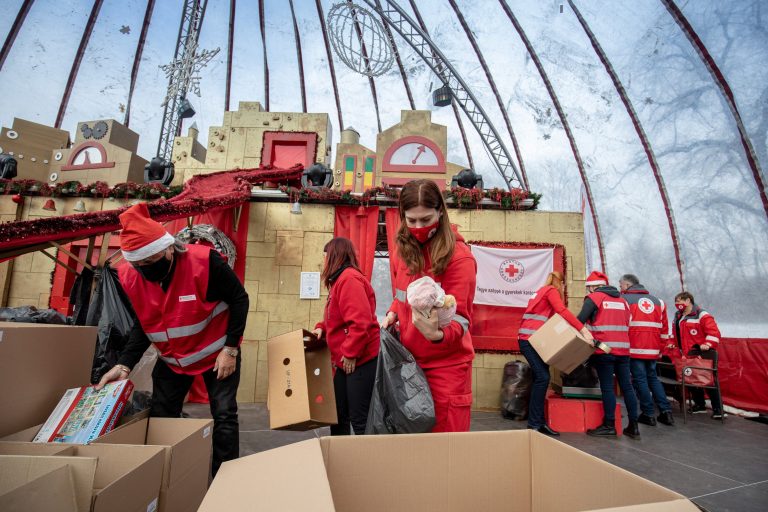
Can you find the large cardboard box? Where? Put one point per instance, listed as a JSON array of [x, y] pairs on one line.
[[37, 364], [560, 345], [300, 395], [520, 471], [28, 434], [187, 464], [53, 491], [106, 478]]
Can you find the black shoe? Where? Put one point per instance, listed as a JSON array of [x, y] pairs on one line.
[[666, 418], [602, 431], [544, 429], [633, 430], [647, 420], [718, 415], [697, 409]]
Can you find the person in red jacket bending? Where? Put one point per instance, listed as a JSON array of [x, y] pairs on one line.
[[607, 317], [542, 306], [351, 330], [696, 333], [427, 245]]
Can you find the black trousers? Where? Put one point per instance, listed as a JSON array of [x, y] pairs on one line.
[[353, 398], [169, 390]]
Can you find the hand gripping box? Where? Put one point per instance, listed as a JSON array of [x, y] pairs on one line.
[[520, 471], [300, 394], [560, 345]]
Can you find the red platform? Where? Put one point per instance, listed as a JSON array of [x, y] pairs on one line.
[[576, 414]]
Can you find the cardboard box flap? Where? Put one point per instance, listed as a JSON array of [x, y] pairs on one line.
[[290, 478], [288, 399], [565, 478], [52, 492], [429, 472], [668, 506], [189, 441], [322, 399], [15, 448], [17, 469]]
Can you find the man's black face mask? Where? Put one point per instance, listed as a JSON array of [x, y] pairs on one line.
[[156, 271]]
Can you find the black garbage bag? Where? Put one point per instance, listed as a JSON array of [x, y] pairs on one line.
[[583, 376], [516, 390], [30, 314], [401, 402], [112, 313]]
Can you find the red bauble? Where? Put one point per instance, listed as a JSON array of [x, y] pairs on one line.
[[16, 198]]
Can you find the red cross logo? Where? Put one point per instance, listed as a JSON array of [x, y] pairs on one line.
[[511, 270]]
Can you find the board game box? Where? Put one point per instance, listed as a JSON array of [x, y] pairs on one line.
[[83, 414]]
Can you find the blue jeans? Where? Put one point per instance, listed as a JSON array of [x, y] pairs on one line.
[[606, 365], [648, 387], [540, 371]]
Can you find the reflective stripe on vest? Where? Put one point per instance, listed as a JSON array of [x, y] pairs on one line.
[[187, 330], [617, 344], [400, 295], [604, 328], [657, 325], [644, 351], [199, 356], [712, 338], [526, 331], [531, 316]]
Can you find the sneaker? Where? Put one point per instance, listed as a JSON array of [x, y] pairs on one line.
[[697, 409], [718, 415]]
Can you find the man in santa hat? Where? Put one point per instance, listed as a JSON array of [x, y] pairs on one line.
[[193, 308], [607, 316]]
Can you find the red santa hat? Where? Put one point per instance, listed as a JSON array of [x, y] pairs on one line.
[[597, 279], [141, 236]]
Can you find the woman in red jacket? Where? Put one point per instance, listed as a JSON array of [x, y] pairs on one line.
[[350, 328], [542, 306], [427, 245]]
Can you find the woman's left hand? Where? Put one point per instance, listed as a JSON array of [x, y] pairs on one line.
[[427, 326], [348, 364]]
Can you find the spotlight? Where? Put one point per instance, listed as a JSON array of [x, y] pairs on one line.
[[158, 170], [467, 179], [50, 205], [185, 109], [317, 176], [8, 166], [441, 97]]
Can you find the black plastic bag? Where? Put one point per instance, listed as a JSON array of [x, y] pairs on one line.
[[516, 390], [32, 315], [111, 312], [583, 376], [401, 402]]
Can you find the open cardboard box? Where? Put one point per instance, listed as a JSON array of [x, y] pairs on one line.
[[187, 448], [53, 491], [37, 364], [105, 478], [300, 394], [560, 345], [521, 471]]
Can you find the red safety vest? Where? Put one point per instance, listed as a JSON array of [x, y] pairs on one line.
[[611, 324], [648, 327], [538, 311], [188, 331], [696, 328]]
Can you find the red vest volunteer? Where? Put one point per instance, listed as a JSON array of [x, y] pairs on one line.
[[648, 326]]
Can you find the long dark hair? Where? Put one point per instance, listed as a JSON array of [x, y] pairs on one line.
[[340, 253], [425, 193]]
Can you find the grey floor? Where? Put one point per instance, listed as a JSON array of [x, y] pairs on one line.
[[721, 467]]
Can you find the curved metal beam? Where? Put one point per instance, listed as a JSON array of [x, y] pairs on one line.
[[299, 58], [441, 66], [17, 23], [399, 64], [330, 61], [137, 59], [566, 127], [230, 51], [78, 60], [456, 113], [495, 89], [367, 61], [643, 139], [725, 91], [263, 29]]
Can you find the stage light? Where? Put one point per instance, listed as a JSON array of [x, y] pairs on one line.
[[317, 176], [158, 170], [185, 109], [8, 167], [467, 179], [441, 97]]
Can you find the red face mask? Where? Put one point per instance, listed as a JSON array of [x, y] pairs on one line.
[[680, 307], [425, 233]]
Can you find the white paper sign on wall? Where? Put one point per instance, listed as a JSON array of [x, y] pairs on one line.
[[310, 285]]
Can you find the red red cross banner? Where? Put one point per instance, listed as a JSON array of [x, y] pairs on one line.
[[509, 277]]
